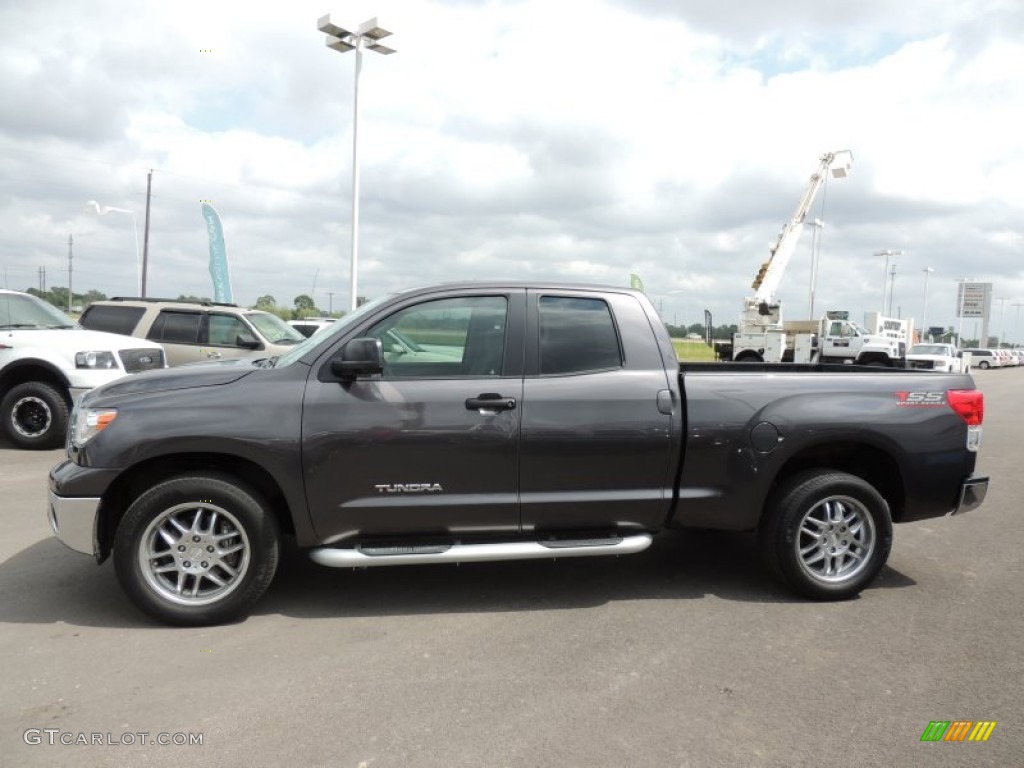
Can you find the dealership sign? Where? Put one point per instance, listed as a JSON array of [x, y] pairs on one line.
[[974, 299]]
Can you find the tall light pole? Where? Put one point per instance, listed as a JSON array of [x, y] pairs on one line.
[[1002, 318], [924, 313], [367, 35], [892, 289], [962, 291], [102, 210], [888, 253]]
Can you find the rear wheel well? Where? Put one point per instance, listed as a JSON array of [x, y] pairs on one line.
[[749, 357], [867, 462], [135, 481], [874, 358]]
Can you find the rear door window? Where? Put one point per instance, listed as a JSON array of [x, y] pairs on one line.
[[577, 335], [176, 327]]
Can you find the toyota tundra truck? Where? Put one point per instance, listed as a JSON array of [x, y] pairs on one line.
[[512, 422]]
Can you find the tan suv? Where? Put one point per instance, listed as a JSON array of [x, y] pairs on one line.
[[190, 332]]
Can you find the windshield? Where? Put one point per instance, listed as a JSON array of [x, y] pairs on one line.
[[341, 326], [928, 349], [22, 310], [274, 329]]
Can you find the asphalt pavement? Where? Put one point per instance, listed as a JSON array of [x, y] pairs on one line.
[[686, 655]]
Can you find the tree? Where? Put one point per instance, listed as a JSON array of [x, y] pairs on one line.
[[195, 299], [93, 295], [266, 302], [304, 306]]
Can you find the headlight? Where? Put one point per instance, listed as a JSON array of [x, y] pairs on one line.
[[95, 360], [88, 422]]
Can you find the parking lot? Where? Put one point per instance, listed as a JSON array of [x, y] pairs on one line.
[[686, 655]]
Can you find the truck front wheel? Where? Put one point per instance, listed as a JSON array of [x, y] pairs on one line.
[[197, 549], [827, 534], [35, 415]]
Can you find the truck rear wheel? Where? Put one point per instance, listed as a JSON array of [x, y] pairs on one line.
[[35, 416], [197, 549], [827, 534]]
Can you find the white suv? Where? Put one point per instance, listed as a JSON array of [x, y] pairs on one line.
[[47, 362]]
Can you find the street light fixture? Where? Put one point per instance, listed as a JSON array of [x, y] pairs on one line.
[[885, 275], [367, 35], [102, 210], [924, 313]]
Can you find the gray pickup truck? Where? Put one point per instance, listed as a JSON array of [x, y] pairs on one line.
[[500, 421]]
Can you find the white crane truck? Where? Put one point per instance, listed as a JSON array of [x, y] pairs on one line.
[[763, 337]]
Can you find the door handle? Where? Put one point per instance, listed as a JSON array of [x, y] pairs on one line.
[[490, 401], [213, 353]]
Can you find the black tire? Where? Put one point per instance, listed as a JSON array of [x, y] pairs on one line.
[[35, 416], [217, 546], [827, 534], [983, 365], [749, 357]]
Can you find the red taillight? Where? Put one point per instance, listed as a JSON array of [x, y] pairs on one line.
[[969, 405]]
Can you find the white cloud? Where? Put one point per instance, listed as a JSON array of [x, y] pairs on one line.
[[578, 140]]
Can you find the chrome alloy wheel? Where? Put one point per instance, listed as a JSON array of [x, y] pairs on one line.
[[194, 554], [31, 416], [836, 539]]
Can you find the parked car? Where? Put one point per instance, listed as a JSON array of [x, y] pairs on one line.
[[550, 421], [311, 325], [985, 358], [1009, 359], [935, 357], [191, 332], [47, 362]]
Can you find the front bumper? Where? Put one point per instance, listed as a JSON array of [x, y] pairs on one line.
[[74, 506], [73, 521], [972, 494]]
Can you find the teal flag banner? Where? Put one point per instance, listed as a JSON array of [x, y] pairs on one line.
[[218, 256]]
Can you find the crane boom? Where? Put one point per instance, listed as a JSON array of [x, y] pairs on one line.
[[770, 275]]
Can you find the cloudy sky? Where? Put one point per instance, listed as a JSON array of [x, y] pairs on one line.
[[573, 140]]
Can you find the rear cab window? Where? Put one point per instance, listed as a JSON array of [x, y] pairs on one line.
[[112, 319]]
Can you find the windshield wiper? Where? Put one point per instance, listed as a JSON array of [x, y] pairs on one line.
[[22, 325]]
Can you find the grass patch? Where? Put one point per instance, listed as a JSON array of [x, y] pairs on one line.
[[690, 351]]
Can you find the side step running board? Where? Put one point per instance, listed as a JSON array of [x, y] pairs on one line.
[[367, 557]]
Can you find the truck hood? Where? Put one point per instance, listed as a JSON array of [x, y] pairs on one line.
[[183, 377], [78, 339]]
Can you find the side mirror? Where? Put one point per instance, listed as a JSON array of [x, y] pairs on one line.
[[359, 357], [247, 342]]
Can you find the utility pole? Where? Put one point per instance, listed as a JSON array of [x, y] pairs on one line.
[[70, 292], [1016, 326], [145, 237], [330, 303]]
